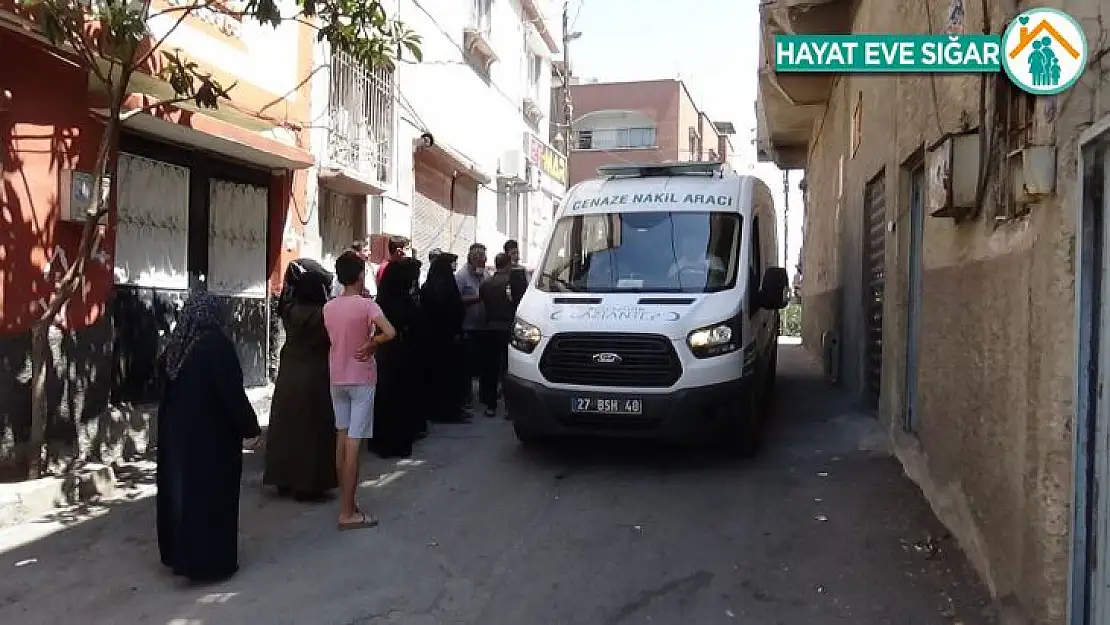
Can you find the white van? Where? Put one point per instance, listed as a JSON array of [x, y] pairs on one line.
[[655, 310]]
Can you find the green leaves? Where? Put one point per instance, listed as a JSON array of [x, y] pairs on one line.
[[190, 83]]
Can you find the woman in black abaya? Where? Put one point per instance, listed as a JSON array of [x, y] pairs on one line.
[[399, 409], [443, 354], [300, 444], [203, 420]]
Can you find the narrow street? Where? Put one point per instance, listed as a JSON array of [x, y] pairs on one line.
[[821, 528]]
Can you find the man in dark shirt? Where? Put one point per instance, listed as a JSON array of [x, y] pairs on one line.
[[493, 339], [518, 275]]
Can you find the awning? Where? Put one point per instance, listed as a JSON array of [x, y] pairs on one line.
[[348, 181], [449, 159], [274, 149]]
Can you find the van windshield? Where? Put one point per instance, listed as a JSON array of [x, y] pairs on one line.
[[642, 252]]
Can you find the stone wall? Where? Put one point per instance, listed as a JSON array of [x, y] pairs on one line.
[[992, 450]]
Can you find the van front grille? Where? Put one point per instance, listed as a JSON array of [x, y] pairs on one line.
[[583, 358]]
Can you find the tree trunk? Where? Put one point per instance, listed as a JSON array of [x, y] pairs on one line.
[[41, 354]]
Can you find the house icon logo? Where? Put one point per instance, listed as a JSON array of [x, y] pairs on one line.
[[1045, 51]]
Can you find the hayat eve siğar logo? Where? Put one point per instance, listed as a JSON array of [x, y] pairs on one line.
[[1045, 51]]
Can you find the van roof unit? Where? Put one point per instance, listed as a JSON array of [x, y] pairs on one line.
[[656, 170]]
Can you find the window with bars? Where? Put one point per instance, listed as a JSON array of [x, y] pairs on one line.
[[1017, 116]]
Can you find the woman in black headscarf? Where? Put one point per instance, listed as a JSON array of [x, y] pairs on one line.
[[204, 418], [443, 349], [399, 409], [300, 445]]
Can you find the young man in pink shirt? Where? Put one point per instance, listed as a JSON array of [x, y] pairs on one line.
[[356, 327]]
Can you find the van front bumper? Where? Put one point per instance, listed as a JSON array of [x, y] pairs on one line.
[[694, 415]]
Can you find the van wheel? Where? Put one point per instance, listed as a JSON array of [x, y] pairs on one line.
[[746, 432]]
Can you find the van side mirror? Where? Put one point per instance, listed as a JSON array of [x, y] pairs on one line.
[[773, 295]]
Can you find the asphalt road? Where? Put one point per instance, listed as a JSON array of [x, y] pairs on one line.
[[821, 528]]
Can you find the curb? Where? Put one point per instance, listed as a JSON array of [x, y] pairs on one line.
[[23, 501]]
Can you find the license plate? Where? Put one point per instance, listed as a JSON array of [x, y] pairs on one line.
[[602, 405]]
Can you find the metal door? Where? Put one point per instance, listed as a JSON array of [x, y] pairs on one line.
[[913, 287], [338, 224], [874, 285]]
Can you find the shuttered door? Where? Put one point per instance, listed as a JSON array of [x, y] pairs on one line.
[[441, 218], [874, 282]]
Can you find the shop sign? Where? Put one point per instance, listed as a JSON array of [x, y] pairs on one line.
[[550, 161]]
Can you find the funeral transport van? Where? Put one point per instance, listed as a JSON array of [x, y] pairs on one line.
[[654, 312]]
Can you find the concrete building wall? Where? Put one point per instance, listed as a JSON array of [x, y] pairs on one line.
[[992, 451]]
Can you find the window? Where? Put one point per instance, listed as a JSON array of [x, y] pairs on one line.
[[481, 15], [643, 252], [1018, 110], [693, 144], [535, 70], [755, 269], [616, 138]]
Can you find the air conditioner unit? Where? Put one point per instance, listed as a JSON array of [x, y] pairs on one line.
[[75, 192], [513, 168]]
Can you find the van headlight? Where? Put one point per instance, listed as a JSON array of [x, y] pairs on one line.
[[525, 336], [714, 340]]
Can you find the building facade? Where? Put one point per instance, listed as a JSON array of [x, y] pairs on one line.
[[650, 121], [477, 165], [197, 197], [949, 220]]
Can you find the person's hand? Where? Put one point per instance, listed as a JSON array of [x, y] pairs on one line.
[[253, 443], [366, 351]]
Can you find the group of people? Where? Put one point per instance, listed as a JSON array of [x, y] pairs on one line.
[[354, 370]]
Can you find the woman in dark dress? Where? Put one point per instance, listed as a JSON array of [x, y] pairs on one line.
[[203, 420], [399, 408], [444, 309], [300, 444]]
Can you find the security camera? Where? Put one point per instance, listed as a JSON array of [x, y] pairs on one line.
[[427, 140]]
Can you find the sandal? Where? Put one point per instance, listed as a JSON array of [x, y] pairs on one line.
[[364, 521]]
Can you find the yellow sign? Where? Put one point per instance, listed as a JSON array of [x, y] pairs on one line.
[[548, 159]]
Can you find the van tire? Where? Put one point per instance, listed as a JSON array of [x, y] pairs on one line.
[[745, 433]]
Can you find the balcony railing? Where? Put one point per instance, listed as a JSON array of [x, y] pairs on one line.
[[360, 114]]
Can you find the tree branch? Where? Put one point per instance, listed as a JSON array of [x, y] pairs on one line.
[[185, 11]]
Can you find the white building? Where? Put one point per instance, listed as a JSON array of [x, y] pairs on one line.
[[447, 151], [482, 93]]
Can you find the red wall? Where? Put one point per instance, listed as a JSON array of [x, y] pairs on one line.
[[47, 127]]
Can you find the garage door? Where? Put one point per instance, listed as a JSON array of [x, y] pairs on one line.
[[441, 217]]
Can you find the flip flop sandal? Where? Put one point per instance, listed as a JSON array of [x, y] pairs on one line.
[[365, 521]]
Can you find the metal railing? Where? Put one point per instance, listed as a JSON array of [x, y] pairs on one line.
[[481, 16], [360, 117]]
